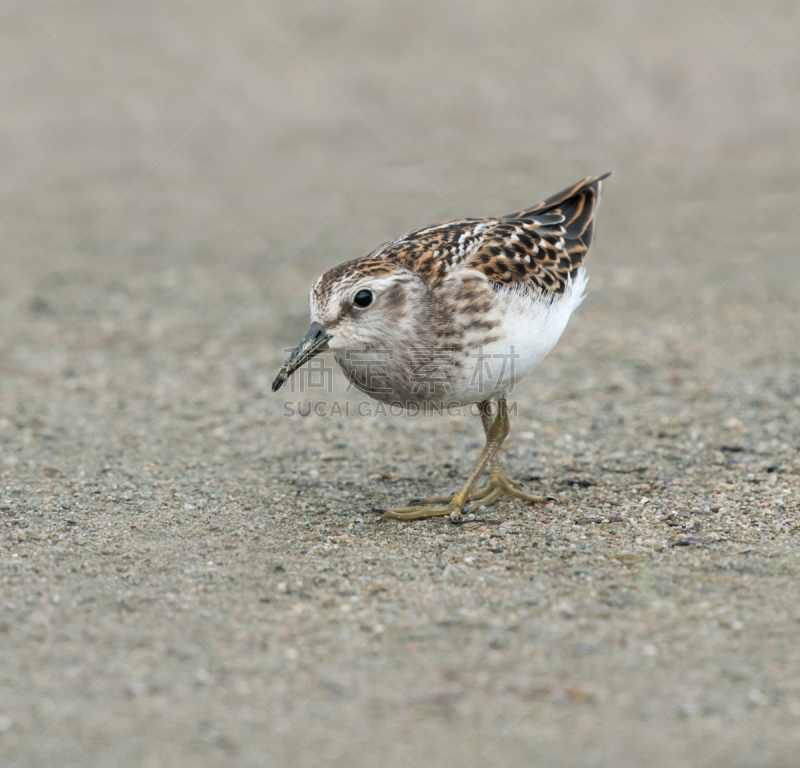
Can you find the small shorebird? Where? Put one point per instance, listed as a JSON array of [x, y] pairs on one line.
[[455, 314]]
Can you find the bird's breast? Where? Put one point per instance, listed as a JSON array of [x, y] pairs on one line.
[[480, 342]]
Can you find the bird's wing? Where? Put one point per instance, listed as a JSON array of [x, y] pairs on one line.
[[540, 248]]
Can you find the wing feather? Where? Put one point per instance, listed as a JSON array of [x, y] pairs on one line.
[[540, 248]]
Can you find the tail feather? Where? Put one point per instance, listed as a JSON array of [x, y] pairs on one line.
[[573, 209]]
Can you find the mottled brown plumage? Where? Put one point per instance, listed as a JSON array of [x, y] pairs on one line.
[[539, 248], [455, 314]]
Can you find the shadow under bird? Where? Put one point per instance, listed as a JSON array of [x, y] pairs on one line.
[[454, 315]]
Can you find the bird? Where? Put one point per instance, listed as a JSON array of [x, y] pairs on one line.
[[457, 313]]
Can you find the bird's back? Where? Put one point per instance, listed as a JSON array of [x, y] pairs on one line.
[[539, 248]]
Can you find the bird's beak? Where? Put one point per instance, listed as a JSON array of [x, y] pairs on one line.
[[314, 342]]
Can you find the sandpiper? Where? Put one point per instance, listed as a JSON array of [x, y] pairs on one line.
[[457, 313]]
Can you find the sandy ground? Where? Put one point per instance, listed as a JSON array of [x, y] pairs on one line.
[[189, 577]]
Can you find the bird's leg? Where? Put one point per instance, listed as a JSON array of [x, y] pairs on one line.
[[495, 435], [487, 421], [500, 484]]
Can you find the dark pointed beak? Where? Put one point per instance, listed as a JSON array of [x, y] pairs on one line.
[[314, 342]]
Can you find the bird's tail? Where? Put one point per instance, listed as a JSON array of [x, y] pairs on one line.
[[572, 211]]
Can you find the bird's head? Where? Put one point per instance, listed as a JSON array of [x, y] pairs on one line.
[[363, 304]]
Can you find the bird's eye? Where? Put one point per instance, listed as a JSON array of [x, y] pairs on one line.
[[363, 299]]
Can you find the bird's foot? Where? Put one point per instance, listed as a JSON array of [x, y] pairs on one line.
[[499, 485], [453, 506], [452, 509]]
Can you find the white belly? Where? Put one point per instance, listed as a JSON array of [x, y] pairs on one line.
[[528, 329]]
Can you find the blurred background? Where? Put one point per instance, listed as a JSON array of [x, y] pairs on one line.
[[176, 174], [153, 151]]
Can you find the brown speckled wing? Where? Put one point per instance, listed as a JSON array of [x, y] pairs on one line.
[[540, 248]]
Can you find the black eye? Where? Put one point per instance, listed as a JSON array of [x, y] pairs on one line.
[[363, 299]]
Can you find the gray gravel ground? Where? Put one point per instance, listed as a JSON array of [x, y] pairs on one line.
[[191, 578]]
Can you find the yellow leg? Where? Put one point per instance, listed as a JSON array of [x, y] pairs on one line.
[[499, 484]]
